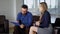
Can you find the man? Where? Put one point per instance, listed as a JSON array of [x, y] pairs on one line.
[[24, 18]]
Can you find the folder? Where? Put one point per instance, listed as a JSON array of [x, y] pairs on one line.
[[16, 23]]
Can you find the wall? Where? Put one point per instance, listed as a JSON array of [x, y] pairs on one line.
[[7, 9], [10, 8]]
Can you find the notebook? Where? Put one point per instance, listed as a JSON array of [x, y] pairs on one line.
[[16, 23]]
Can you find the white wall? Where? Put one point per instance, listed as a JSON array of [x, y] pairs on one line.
[[6, 8], [19, 3], [10, 8]]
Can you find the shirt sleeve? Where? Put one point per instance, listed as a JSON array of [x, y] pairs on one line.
[[29, 20], [18, 17]]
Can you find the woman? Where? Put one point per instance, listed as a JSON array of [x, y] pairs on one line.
[[42, 26]]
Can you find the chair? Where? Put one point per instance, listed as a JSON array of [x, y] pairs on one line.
[[4, 24], [57, 26]]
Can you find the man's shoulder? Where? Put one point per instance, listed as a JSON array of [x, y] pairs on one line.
[[29, 13], [19, 13]]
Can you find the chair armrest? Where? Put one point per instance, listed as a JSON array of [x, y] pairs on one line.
[[56, 27]]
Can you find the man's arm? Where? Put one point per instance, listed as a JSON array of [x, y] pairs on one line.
[[30, 20], [19, 21], [19, 18]]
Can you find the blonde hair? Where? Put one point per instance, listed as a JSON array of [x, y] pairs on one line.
[[44, 4]]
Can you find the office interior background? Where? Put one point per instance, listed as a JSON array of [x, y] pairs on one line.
[[10, 8]]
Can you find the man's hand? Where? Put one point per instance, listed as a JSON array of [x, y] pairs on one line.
[[38, 23], [21, 26]]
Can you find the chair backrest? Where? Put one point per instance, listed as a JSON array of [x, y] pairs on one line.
[[57, 22], [2, 18], [36, 18]]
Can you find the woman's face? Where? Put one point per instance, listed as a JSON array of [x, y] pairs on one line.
[[41, 8]]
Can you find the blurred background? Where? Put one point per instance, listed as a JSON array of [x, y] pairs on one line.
[[10, 8]]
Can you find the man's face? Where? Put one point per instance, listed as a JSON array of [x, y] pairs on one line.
[[24, 11]]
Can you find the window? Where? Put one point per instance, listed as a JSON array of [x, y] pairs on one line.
[[34, 5], [30, 3], [38, 1], [48, 3], [41, 0], [51, 4]]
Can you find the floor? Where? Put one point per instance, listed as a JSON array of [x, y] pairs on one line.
[[11, 30]]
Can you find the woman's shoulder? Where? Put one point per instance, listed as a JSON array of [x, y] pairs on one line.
[[47, 13]]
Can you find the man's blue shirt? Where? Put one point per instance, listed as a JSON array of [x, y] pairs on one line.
[[26, 19]]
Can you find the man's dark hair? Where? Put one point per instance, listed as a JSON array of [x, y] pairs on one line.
[[25, 6]]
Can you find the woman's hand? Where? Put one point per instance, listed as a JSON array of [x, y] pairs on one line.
[[34, 24], [21, 26], [38, 23]]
